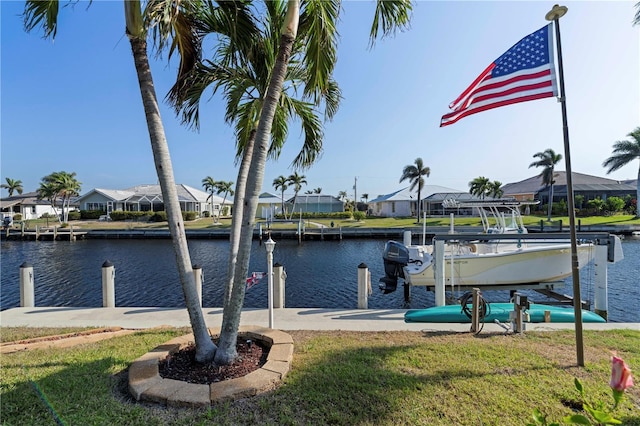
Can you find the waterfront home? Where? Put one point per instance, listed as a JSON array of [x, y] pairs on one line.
[[590, 187], [404, 203], [149, 198], [29, 206], [314, 203]]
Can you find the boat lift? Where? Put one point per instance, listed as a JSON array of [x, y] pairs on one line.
[[608, 248]]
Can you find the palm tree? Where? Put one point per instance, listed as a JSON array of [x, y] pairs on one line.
[[12, 186], [226, 188], [317, 190], [479, 187], [61, 184], [297, 181], [49, 192], [210, 185], [636, 19], [318, 37], [281, 183], [414, 173], [547, 159], [365, 197], [624, 152], [342, 195], [166, 21], [495, 190]]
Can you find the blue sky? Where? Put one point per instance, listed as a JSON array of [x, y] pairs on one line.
[[74, 104]]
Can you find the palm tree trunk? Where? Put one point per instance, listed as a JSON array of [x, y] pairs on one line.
[[232, 310], [205, 349], [236, 218], [550, 203]]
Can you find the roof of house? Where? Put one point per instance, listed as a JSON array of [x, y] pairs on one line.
[[405, 194], [154, 193], [27, 198], [314, 199], [580, 181]]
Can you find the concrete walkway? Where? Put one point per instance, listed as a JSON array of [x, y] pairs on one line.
[[284, 319]]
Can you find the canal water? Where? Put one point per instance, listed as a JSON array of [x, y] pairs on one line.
[[320, 274]]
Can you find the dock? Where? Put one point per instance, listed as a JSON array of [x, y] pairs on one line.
[[44, 234]]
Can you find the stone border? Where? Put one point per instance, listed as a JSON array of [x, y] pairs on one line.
[[145, 383]]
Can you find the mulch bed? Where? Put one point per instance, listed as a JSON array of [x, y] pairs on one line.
[[182, 365]]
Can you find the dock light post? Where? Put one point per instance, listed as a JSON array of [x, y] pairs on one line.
[[270, 245]]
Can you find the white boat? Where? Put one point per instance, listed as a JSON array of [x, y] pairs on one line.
[[496, 261]]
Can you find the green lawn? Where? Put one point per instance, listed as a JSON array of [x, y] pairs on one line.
[[369, 222], [338, 378]]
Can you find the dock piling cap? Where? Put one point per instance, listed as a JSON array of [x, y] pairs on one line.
[[106, 264], [362, 265], [26, 265]]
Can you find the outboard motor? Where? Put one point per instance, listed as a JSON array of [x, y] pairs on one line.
[[395, 256]]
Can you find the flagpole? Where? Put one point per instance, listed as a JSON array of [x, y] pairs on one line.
[[554, 15]]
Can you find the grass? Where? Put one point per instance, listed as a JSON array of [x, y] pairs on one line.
[[369, 222], [339, 378]]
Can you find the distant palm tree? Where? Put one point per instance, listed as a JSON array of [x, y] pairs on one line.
[[12, 186], [624, 152], [210, 185], [281, 183], [495, 190], [479, 186], [414, 173], [365, 197], [49, 191], [308, 191], [297, 181], [547, 159], [226, 188], [342, 195], [317, 190]]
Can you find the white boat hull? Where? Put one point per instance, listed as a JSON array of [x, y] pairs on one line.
[[523, 265]]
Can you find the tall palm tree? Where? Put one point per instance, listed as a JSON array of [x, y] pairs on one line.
[[495, 189], [414, 173], [169, 22], [547, 159], [281, 183], [342, 195], [226, 188], [317, 190], [365, 197], [479, 186], [624, 152], [12, 186], [297, 181], [210, 186]]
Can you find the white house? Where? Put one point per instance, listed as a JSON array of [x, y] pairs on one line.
[[404, 203], [149, 198], [29, 206]]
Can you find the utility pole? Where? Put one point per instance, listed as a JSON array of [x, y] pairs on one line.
[[355, 194]]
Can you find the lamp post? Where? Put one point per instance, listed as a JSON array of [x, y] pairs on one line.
[[270, 245]]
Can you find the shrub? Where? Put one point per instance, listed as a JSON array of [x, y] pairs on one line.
[[614, 204], [17, 216], [122, 215], [74, 215], [597, 204], [158, 217], [64, 225], [48, 216], [187, 216], [358, 215], [91, 214], [206, 213]]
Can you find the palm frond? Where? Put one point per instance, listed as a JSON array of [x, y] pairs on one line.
[[318, 30], [390, 16], [313, 134], [41, 13]]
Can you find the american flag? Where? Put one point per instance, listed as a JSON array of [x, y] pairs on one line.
[[255, 279], [523, 73]]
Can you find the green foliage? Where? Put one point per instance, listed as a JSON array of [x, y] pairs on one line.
[[48, 216], [125, 215], [74, 215], [359, 216], [91, 214], [188, 216], [597, 204], [560, 208], [17, 216], [206, 213], [314, 215], [614, 204], [158, 217]]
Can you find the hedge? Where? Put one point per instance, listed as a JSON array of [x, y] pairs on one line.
[[91, 214]]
